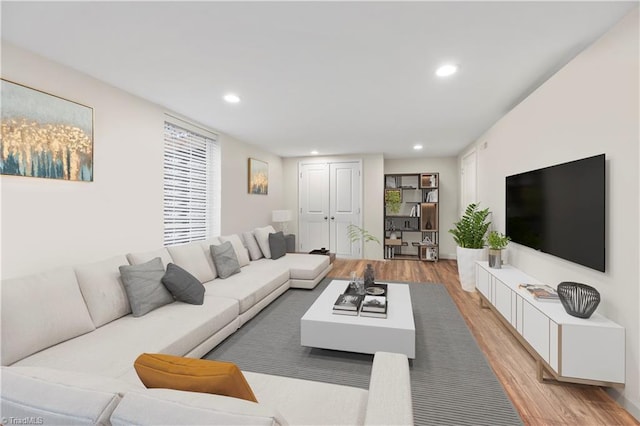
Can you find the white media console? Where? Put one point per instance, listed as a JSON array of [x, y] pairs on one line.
[[570, 349]]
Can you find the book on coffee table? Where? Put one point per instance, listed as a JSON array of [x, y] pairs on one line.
[[374, 304], [348, 302], [364, 313]]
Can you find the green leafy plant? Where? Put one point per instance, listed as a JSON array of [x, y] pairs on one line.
[[357, 233], [497, 240], [470, 230], [393, 200]]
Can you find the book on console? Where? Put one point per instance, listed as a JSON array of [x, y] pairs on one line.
[[374, 304], [541, 292], [348, 302]]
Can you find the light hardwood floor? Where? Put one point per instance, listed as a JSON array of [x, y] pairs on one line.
[[549, 403]]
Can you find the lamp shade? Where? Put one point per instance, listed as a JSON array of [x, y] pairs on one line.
[[281, 216]]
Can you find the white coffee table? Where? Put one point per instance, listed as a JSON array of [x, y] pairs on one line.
[[321, 328]]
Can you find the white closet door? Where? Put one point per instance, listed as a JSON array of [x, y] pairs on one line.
[[313, 195], [344, 208]]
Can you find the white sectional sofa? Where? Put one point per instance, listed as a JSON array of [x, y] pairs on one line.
[[69, 342]]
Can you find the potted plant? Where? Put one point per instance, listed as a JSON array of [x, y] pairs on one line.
[[393, 200], [357, 233], [469, 233], [497, 242]]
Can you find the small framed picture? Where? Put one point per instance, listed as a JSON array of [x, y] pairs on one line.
[[258, 177]]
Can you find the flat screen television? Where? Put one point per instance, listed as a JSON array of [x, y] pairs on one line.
[[560, 210]]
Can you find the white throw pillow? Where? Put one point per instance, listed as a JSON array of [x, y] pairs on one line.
[[143, 257], [192, 259], [241, 252], [103, 290], [262, 237], [252, 245]]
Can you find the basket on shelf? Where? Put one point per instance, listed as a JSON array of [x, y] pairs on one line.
[[579, 300]]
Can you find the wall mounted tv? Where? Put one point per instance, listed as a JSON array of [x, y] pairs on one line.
[[560, 210]]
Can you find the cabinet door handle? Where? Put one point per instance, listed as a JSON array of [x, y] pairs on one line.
[[333, 218], [325, 218]]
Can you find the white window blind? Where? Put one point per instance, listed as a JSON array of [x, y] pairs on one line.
[[191, 184]]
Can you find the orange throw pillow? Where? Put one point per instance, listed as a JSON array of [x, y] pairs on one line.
[[195, 375]]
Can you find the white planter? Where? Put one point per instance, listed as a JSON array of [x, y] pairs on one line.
[[467, 266]]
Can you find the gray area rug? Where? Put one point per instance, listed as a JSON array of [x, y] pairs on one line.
[[451, 381]]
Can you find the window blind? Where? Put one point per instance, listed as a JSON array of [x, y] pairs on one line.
[[191, 185]]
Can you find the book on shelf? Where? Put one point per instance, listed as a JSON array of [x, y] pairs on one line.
[[374, 304], [541, 291], [348, 302], [374, 314]]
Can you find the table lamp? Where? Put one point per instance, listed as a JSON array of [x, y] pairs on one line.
[[282, 217]]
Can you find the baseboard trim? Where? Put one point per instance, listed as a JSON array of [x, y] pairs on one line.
[[628, 405]]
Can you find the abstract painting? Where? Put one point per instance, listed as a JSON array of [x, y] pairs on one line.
[[258, 177], [44, 136]]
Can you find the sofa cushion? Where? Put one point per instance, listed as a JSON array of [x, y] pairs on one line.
[[182, 285], [277, 245], [225, 259], [192, 258], [304, 266], [103, 291], [191, 374], [110, 350], [59, 397], [144, 287], [254, 283], [39, 311], [206, 249], [164, 406], [262, 237], [252, 245], [305, 402], [145, 256], [241, 251]]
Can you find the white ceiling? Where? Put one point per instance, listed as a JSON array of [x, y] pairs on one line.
[[339, 77]]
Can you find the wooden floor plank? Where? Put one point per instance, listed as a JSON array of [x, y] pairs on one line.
[[549, 403]]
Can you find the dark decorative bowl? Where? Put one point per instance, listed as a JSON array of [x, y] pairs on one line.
[[579, 300]]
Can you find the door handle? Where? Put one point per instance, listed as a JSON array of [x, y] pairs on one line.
[[333, 218], [325, 218]]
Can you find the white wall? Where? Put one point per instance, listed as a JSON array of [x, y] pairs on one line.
[[372, 181], [589, 107], [242, 211], [447, 192], [48, 223]]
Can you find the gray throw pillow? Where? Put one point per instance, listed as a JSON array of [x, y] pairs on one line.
[[184, 286], [143, 284], [277, 245], [225, 259]]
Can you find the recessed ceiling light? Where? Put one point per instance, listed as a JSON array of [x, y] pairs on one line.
[[314, 152], [232, 98], [417, 147], [446, 70]]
